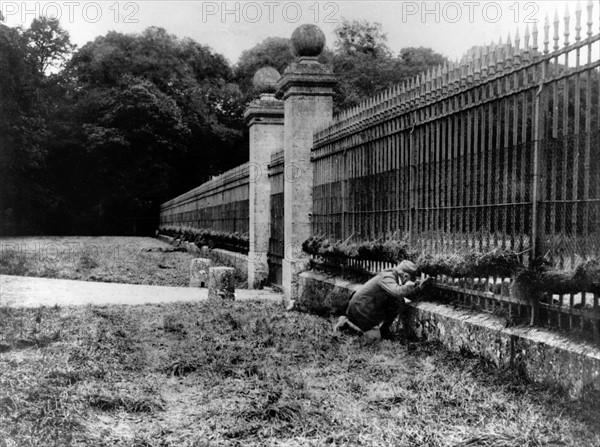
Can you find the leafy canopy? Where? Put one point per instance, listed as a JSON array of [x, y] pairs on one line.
[[49, 44]]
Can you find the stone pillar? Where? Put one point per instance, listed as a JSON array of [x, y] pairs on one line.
[[264, 117], [199, 272], [221, 283], [307, 88]]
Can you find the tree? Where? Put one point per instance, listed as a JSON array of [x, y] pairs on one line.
[[364, 64], [361, 60], [15, 75], [139, 134], [273, 51], [159, 115], [361, 37], [14, 101], [49, 44], [415, 60], [29, 98]]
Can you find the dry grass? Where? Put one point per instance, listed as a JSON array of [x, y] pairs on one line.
[[251, 374], [132, 260]]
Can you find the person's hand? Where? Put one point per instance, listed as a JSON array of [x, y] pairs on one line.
[[410, 283]]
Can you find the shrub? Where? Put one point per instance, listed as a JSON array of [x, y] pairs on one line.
[[212, 238], [386, 251], [501, 263]]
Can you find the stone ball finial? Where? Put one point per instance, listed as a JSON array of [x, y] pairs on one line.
[[265, 80], [307, 40]]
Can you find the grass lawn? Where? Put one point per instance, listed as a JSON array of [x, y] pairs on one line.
[[132, 260], [250, 374]]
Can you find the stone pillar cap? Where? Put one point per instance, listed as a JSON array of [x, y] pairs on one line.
[[267, 106], [265, 80], [306, 75], [307, 40]]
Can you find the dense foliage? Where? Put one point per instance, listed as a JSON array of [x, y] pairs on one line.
[[365, 65], [93, 139], [501, 263], [207, 237], [273, 52], [95, 144], [497, 263], [384, 251]]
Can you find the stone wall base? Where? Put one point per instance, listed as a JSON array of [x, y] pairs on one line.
[[540, 355], [230, 258], [323, 295], [165, 238], [238, 261]]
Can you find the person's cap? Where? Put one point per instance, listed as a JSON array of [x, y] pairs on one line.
[[408, 267]]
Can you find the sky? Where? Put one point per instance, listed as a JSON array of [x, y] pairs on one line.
[[230, 27]]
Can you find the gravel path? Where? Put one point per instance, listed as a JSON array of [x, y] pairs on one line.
[[21, 291]]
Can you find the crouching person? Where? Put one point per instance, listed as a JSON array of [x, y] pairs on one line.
[[376, 304]]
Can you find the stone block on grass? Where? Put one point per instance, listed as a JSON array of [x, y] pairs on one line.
[[190, 247], [199, 272], [221, 283]]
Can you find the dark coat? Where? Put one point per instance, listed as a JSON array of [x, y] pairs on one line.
[[378, 300]]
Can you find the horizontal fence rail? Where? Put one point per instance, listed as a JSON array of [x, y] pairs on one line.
[[220, 204], [499, 151]]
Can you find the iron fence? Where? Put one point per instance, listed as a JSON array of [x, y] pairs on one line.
[[276, 238], [220, 204], [499, 151]]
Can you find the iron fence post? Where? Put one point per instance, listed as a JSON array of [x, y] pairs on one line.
[[539, 172]]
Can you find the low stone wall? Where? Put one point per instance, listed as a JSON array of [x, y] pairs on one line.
[[238, 261], [541, 356], [165, 238], [232, 259], [323, 295]]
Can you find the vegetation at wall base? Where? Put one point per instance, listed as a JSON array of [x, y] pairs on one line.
[[212, 238], [583, 277], [334, 268], [497, 263], [385, 251], [501, 263]]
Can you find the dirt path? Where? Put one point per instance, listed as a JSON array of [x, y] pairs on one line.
[[20, 291]]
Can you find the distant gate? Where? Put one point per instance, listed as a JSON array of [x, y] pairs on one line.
[[276, 241]]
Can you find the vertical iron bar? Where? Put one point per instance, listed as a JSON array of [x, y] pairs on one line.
[[540, 109]]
